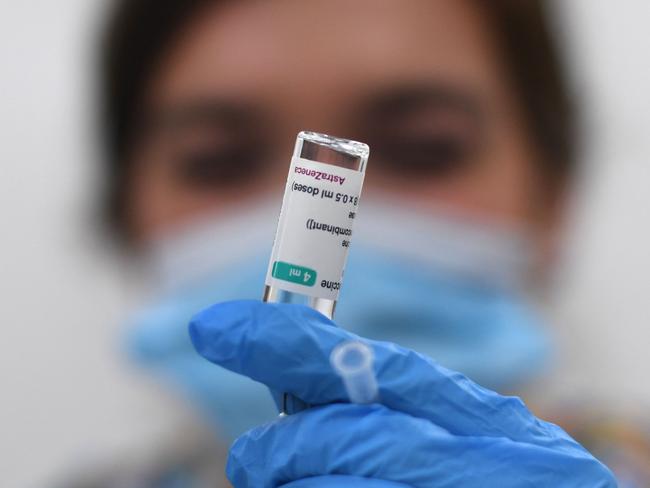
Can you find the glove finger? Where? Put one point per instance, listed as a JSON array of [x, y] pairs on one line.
[[336, 481], [287, 347], [374, 442]]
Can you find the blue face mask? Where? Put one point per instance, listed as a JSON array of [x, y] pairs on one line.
[[451, 300]]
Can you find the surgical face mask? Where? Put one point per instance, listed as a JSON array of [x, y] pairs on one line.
[[443, 287]]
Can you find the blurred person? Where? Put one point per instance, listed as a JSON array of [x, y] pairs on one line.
[[472, 133]]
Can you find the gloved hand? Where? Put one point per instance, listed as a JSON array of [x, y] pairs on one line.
[[433, 428]]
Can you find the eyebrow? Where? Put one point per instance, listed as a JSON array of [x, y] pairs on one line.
[[402, 100], [389, 103], [228, 115]]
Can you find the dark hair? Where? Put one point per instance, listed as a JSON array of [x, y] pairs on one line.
[[137, 35], [140, 31], [524, 33]]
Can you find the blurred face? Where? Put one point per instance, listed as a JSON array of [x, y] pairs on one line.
[[420, 81]]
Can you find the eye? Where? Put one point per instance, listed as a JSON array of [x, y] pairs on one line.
[[436, 155], [212, 168], [424, 130]]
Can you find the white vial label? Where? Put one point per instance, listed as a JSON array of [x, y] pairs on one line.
[[315, 228]]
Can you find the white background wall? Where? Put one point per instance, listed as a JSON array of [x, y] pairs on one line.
[[64, 394], [66, 398], [603, 305]]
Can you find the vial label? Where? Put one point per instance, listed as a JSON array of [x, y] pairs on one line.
[[314, 230]]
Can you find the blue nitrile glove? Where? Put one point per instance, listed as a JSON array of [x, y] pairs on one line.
[[433, 428]]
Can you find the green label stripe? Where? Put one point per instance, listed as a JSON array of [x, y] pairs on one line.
[[293, 273]]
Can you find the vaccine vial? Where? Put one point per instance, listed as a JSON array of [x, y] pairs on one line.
[[314, 231]]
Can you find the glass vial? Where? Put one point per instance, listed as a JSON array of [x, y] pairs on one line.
[[315, 224]]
